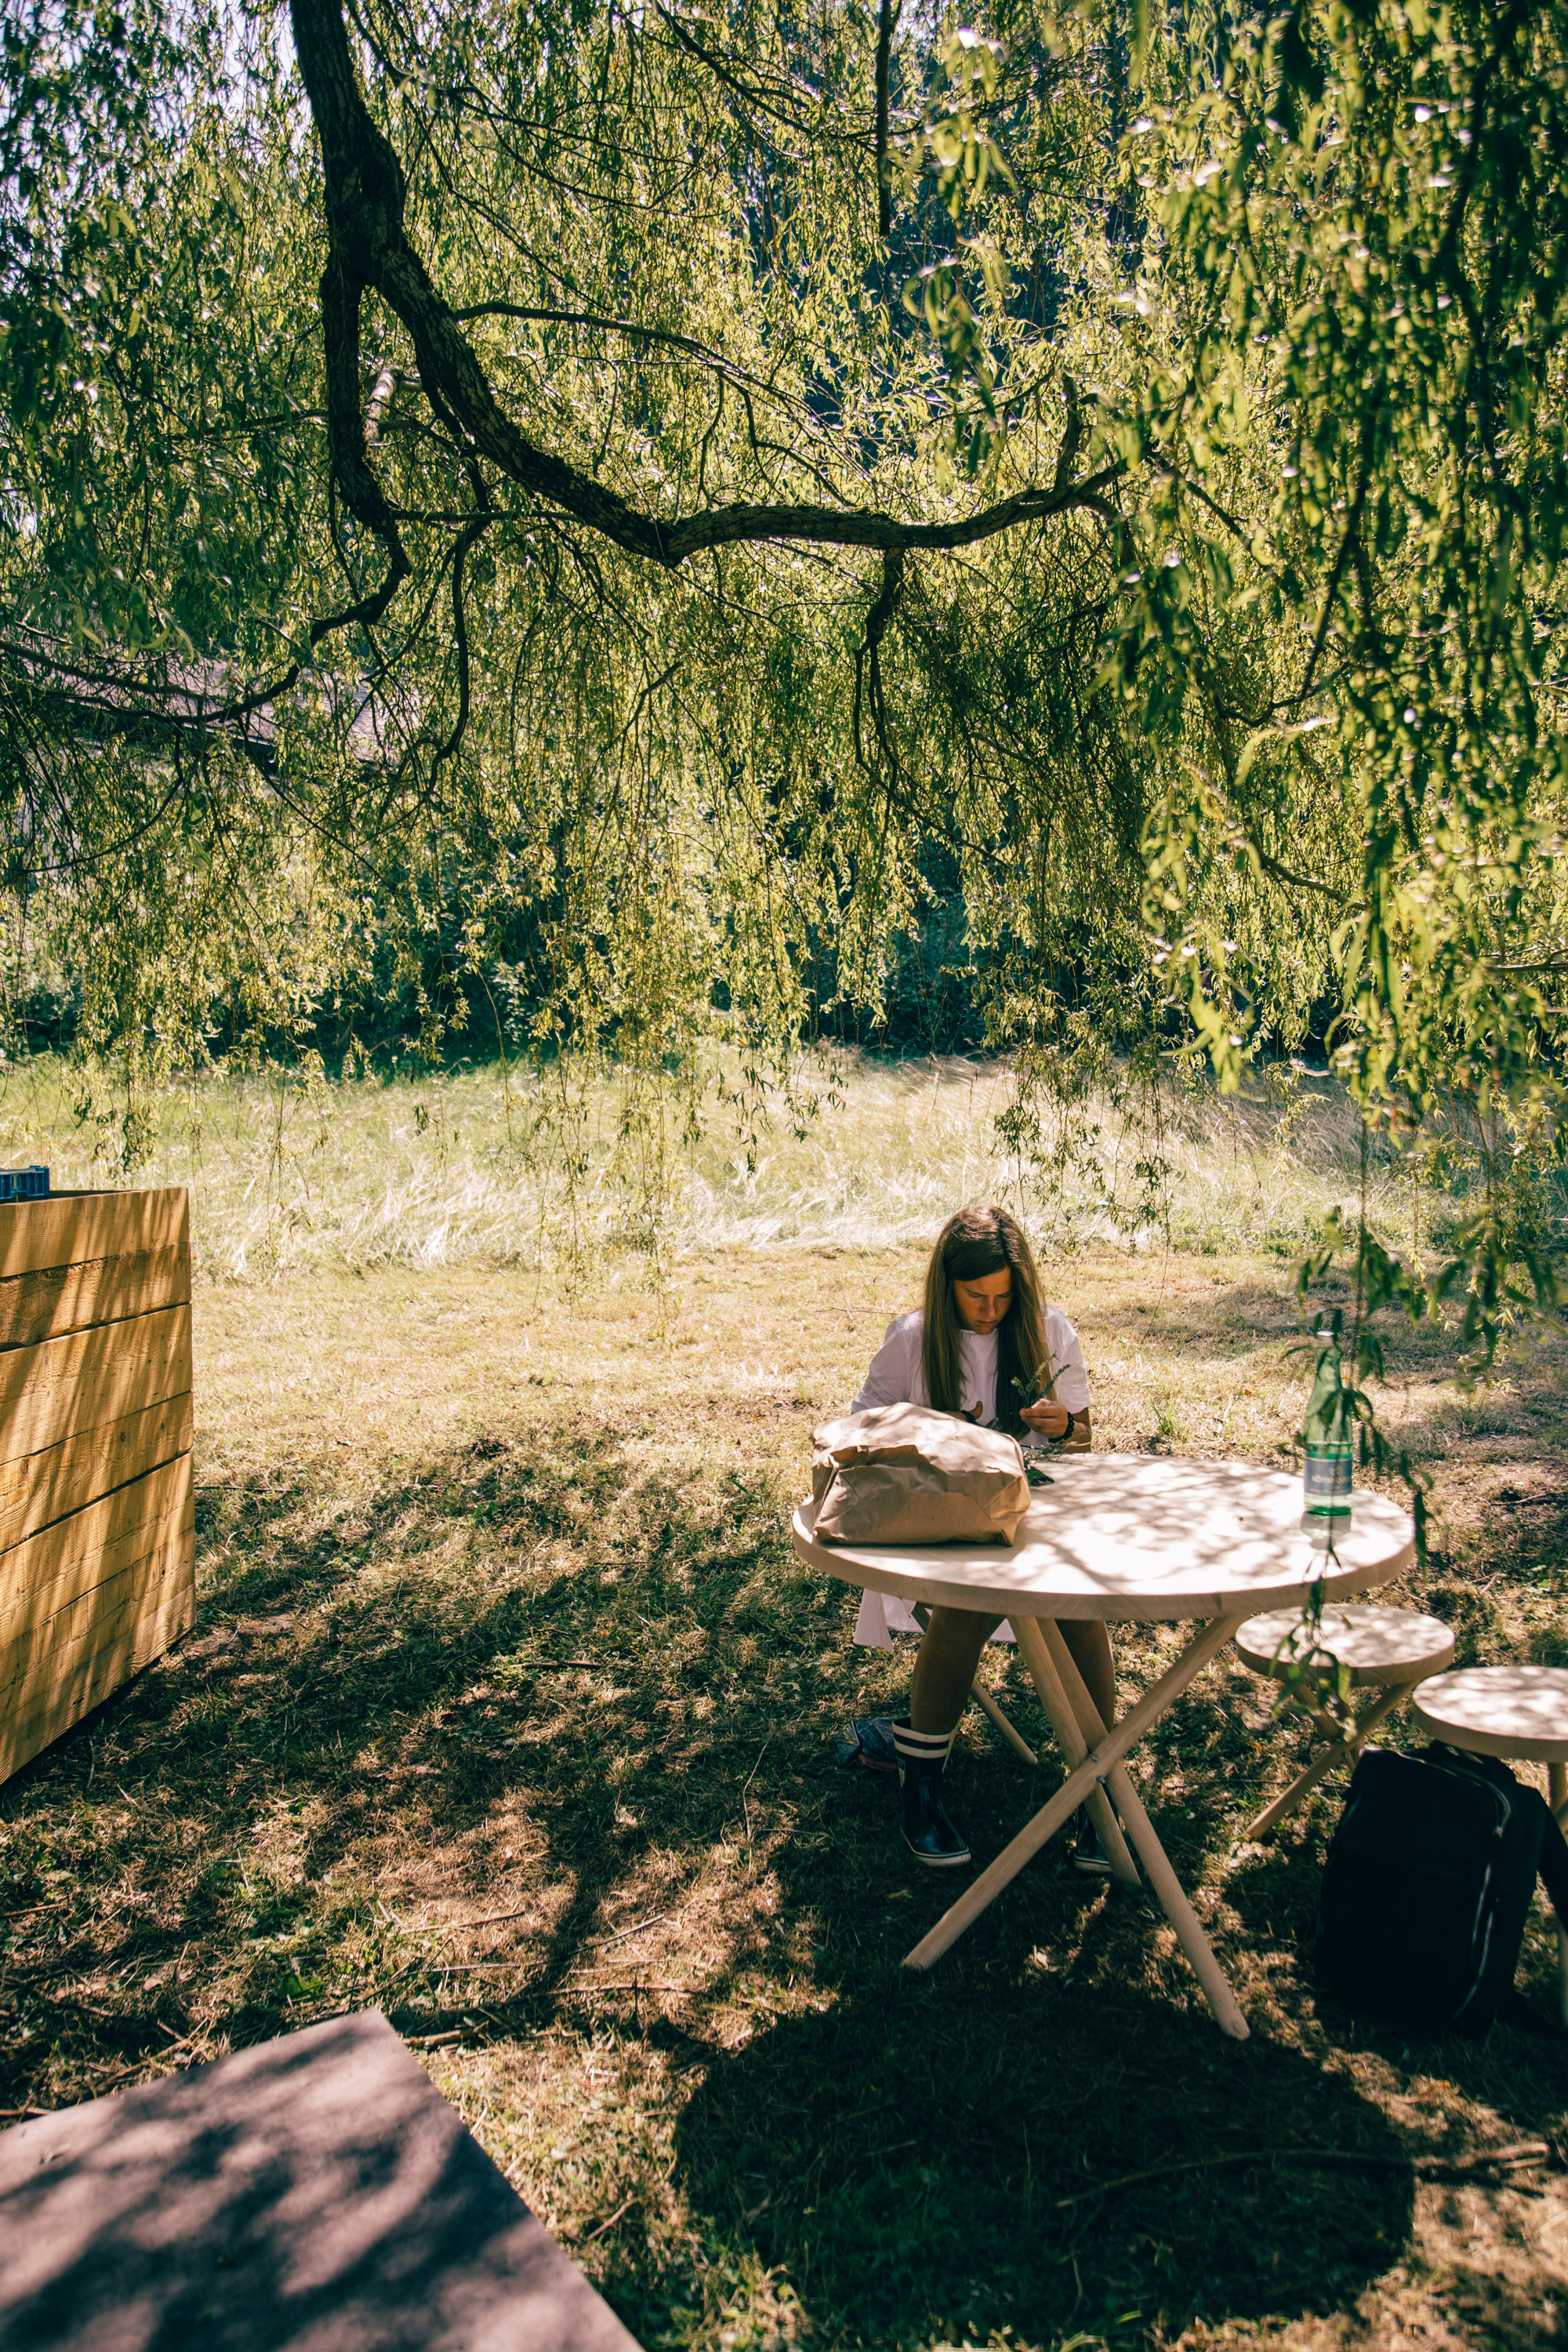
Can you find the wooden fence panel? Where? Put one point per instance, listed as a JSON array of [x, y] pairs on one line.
[[37, 1488], [96, 1513], [64, 1386]]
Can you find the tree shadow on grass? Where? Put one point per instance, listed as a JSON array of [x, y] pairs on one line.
[[625, 1676], [509, 1645], [922, 2159]]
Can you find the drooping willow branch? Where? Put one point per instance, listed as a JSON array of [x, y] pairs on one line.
[[886, 25]]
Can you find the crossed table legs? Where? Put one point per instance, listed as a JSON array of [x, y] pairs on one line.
[[1094, 1756]]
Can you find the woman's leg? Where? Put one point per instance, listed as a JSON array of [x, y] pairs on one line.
[[950, 1652], [944, 1670], [1089, 1646]]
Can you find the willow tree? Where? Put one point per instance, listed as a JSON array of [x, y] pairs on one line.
[[484, 481], [1363, 225], [620, 486]]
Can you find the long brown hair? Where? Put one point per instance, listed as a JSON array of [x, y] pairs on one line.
[[978, 1242]]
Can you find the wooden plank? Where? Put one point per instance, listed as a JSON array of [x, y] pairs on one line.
[[98, 1675], [162, 1562], [69, 1228], [41, 1305], [38, 1488], [92, 1587], [315, 2191], [64, 1386], [73, 1572], [130, 1573], [38, 1576]]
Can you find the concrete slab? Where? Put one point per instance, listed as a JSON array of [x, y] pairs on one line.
[[315, 2194]]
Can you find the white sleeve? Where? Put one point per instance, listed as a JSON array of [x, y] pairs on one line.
[[890, 1378], [1067, 1362]]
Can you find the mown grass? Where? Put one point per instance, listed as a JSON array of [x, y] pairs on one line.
[[509, 1710]]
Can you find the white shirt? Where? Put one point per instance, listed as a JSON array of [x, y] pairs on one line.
[[895, 1377]]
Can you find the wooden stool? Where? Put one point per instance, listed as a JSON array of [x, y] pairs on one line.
[[1520, 1711], [1388, 1650]]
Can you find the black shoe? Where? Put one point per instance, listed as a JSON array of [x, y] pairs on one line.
[[929, 1835], [867, 1746], [1089, 1856]]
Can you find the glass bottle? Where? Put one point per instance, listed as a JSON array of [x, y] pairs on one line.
[[1326, 1438]]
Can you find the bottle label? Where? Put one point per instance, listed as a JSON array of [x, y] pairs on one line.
[[1326, 1478]]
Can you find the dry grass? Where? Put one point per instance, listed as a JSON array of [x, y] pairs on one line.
[[464, 1168], [509, 1710]]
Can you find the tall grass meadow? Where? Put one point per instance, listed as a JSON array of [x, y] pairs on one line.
[[475, 1165]]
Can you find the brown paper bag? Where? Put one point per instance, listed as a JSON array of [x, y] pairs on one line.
[[904, 1475]]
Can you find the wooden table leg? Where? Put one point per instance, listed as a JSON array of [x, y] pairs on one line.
[[1010, 1733], [1557, 1783], [1055, 1697], [1206, 1644], [1200, 1952], [1337, 1752]]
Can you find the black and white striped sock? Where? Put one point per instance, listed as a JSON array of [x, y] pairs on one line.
[[920, 1746]]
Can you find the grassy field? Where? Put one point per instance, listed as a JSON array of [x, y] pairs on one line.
[[463, 1168], [510, 1711]]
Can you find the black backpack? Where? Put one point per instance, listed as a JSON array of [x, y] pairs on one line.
[[1426, 1886]]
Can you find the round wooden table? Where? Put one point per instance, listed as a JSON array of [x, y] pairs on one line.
[[1125, 1537]]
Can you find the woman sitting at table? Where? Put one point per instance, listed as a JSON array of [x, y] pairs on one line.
[[985, 1345]]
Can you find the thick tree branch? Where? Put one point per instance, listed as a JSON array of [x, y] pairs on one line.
[[101, 708], [868, 664], [362, 493], [383, 392], [370, 248]]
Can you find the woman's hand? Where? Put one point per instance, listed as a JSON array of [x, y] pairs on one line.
[[1047, 1419]]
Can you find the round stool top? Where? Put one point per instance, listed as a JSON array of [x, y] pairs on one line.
[[1498, 1711], [1379, 1645]]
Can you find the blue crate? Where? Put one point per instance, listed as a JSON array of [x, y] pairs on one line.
[[24, 1183]]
